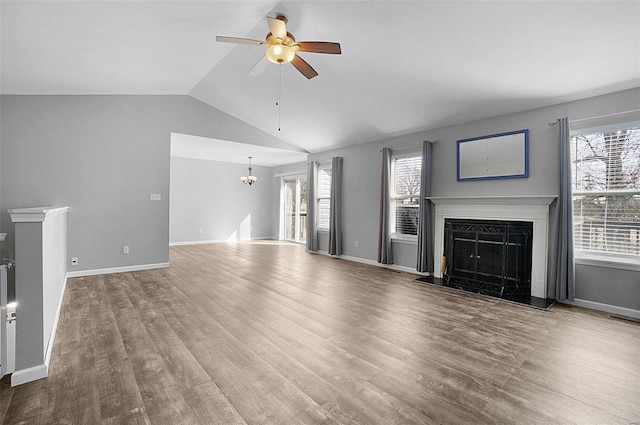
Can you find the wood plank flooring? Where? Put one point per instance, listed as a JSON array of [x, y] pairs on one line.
[[264, 333]]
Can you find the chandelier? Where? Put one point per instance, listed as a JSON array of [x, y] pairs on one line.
[[250, 179]]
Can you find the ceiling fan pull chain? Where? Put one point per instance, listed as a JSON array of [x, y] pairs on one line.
[[278, 95], [278, 87]]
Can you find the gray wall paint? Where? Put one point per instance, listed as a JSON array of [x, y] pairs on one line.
[[103, 156], [209, 195], [3, 250], [608, 286], [362, 180], [30, 330]]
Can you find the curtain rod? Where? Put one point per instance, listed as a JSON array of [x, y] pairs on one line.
[[433, 142], [553, 124]]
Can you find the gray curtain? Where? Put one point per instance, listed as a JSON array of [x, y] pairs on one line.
[[425, 223], [311, 230], [384, 241], [563, 266], [335, 207]]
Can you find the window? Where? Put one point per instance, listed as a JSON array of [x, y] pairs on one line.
[[606, 193], [324, 196], [294, 208], [405, 195]]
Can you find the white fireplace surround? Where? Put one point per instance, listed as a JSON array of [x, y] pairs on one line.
[[533, 209]]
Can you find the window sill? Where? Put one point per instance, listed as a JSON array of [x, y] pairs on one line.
[[404, 240], [612, 262]]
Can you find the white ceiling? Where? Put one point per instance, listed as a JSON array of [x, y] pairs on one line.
[[406, 66]]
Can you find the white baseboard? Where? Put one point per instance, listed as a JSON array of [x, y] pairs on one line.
[[622, 311], [33, 373], [124, 269], [374, 263], [218, 241]]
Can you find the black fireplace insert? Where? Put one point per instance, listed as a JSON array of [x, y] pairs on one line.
[[488, 256]]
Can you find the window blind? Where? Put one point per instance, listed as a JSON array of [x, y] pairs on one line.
[[406, 194], [606, 191], [324, 196]]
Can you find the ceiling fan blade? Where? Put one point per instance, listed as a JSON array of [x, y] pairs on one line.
[[320, 47], [278, 28], [259, 67], [238, 40], [302, 66]]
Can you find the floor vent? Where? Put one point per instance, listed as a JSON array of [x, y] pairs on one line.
[[625, 319]]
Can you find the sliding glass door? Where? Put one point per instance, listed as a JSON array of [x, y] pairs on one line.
[[294, 208]]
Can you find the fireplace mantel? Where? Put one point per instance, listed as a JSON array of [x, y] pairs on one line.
[[534, 209], [493, 200]]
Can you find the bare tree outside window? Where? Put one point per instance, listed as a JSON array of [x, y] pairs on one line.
[[606, 188]]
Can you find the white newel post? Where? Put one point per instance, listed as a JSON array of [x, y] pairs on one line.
[[533, 209], [41, 269]]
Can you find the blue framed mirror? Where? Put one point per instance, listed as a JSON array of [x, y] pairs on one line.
[[496, 156]]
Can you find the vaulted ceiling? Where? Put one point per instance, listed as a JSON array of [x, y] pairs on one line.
[[405, 66]]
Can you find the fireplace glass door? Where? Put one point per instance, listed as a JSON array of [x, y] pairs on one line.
[[490, 257]]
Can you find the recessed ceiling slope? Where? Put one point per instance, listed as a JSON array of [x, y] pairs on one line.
[[410, 66]]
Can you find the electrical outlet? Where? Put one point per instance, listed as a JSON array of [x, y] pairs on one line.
[[156, 197], [357, 243], [74, 261], [125, 249], [201, 231]]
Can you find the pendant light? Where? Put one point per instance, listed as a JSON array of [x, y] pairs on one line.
[[250, 179]]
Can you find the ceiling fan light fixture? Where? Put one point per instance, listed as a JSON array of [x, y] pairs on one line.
[[280, 53]]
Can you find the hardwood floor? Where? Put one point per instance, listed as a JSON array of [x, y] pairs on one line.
[[264, 333]]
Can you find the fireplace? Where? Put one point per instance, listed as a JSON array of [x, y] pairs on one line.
[[490, 257], [531, 209]]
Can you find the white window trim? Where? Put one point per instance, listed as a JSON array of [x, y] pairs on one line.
[[597, 258], [404, 239], [607, 259]]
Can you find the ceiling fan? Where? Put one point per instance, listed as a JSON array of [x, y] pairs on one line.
[[283, 47]]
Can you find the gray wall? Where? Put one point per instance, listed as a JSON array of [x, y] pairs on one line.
[[30, 329], [103, 156], [362, 179], [208, 196], [608, 286]]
